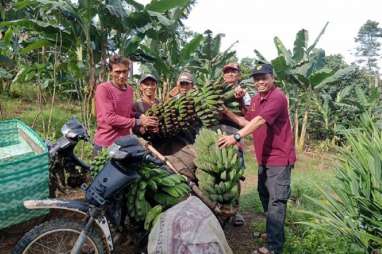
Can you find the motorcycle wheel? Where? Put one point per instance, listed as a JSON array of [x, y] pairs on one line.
[[58, 236]]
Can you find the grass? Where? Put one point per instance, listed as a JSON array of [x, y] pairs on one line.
[[310, 171], [27, 110]]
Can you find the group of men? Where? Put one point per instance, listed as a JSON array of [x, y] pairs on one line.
[[265, 116]]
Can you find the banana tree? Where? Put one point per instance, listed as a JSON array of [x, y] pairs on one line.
[[199, 54], [303, 74], [210, 58], [169, 58], [88, 31]]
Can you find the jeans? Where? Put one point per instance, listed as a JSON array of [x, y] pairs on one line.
[[274, 191]]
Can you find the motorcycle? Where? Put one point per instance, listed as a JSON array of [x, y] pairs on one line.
[[102, 211], [65, 168]]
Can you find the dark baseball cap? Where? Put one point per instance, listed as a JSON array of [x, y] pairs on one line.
[[147, 76], [262, 69], [233, 66]]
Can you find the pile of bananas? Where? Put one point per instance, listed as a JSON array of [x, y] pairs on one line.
[[219, 170], [156, 190], [174, 115], [198, 106]]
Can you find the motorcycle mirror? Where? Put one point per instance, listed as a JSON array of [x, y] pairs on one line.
[[116, 153]]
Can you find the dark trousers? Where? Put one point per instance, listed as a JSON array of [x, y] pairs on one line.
[[274, 191]]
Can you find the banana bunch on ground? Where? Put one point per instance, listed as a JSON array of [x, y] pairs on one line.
[[155, 191], [98, 162], [218, 170]]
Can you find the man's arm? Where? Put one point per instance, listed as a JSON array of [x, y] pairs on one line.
[[267, 115], [248, 129], [251, 126], [239, 120]]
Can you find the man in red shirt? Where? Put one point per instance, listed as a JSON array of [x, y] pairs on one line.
[[268, 121], [114, 102]]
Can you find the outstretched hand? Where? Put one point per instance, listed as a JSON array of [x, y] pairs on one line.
[[225, 141]]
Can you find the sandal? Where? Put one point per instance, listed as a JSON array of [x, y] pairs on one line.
[[262, 250]]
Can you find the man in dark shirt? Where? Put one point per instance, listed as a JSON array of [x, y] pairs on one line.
[[268, 120]]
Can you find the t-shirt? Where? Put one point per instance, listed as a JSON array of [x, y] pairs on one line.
[[114, 111], [273, 141], [141, 106]]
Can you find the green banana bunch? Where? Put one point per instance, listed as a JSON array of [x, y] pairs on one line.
[[203, 105], [208, 104], [152, 217], [157, 188], [218, 170], [98, 162], [230, 101]]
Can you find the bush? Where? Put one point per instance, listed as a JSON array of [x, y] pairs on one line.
[[352, 208]]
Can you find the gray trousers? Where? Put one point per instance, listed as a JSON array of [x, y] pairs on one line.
[[274, 191]]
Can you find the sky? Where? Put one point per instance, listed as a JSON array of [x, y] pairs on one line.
[[254, 23]]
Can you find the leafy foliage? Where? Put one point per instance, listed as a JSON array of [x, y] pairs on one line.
[[353, 206]]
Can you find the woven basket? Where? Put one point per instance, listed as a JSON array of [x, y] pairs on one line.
[[24, 172]]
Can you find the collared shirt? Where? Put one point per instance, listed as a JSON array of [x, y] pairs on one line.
[[273, 141], [114, 111]]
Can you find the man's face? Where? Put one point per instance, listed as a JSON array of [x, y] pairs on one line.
[[263, 82], [119, 74], [231, 76], [184, 86], [148, 87]]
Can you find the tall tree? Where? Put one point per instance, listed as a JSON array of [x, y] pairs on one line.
[[368, 49]]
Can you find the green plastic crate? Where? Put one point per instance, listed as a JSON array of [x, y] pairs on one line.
[[24, 172]]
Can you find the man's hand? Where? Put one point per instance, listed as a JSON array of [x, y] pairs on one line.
[[225, 110], [149, 121], [239, 92], [225, 141]]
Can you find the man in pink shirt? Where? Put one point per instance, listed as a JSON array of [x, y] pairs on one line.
[[114, 102], [267, 119]]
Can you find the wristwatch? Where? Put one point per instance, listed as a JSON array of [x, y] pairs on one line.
[[237, 137]]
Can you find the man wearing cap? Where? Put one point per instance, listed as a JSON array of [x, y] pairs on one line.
[[114, 106], [232, 76], [147, 88], [184, 84], [268, 121]]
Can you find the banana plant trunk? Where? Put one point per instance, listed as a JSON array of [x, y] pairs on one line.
[[165, 89], [296, 127], [303, 131], [90, 89]]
